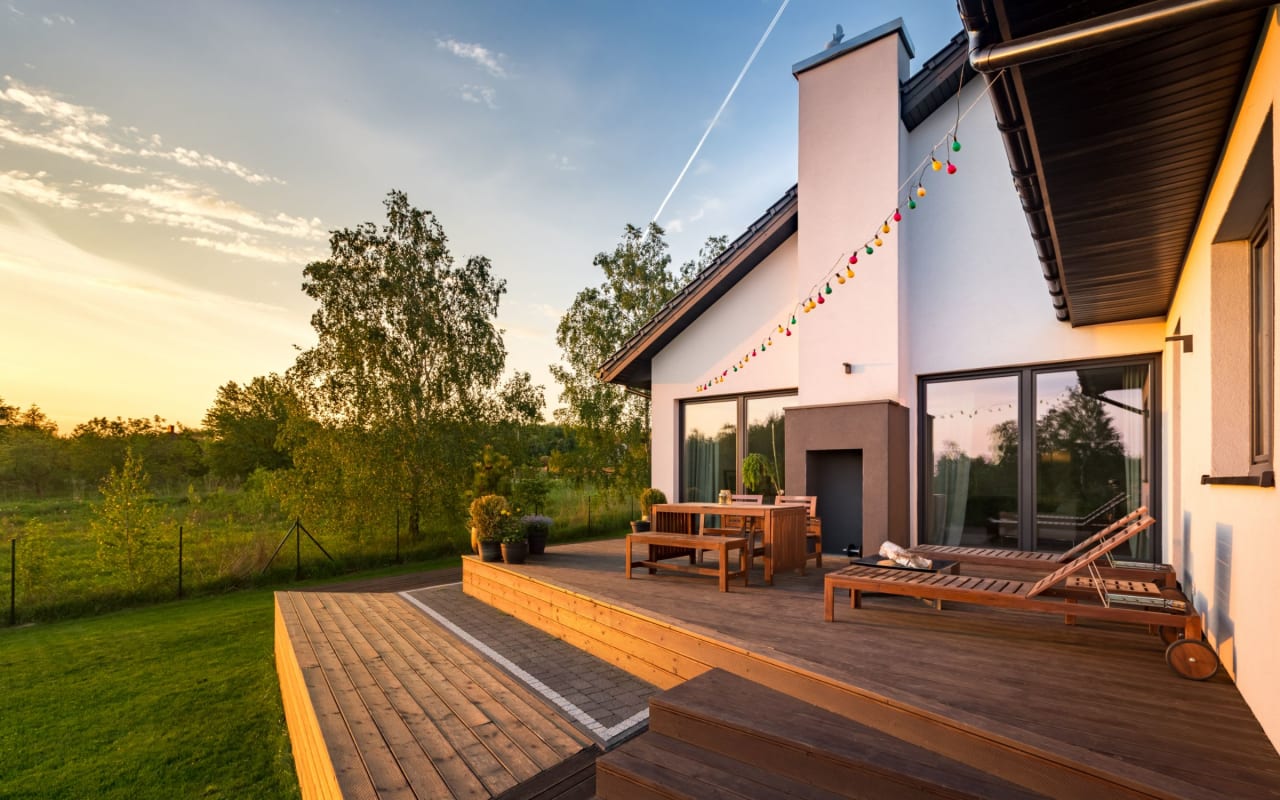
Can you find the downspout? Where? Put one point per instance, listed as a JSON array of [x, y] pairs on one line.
[[978, 22]]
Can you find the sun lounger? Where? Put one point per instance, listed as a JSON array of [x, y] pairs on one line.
[[1040, 561], [1188, 656]]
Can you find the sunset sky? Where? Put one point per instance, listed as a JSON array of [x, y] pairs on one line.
[[167, 169]]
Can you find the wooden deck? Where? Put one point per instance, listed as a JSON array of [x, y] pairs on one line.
[[1088, 710], [383, 702]]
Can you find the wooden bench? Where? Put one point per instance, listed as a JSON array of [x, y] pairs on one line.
[[663, 546]]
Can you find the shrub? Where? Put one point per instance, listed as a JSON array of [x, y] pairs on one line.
[[649, 498], [487, 515], [535, 523]]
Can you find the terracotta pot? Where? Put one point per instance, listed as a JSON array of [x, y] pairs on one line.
[[515, 552]]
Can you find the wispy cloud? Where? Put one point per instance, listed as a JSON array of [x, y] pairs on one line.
[[491, 61], [81, 133], [32, 187], [562, 162], [479, 94], [57, 19]]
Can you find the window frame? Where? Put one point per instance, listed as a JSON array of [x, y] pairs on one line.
[[1027, 488], [1262, 344], [740, 437]]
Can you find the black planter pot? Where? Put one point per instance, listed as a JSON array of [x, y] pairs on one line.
[[491, 551], [537, 543], [639, 525], [515, 552]]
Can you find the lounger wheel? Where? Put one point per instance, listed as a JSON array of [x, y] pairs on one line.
[[1192, 659], [1170, 633]]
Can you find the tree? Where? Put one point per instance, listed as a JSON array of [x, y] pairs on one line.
[[244, 425], [33, 458], [125, 523], [406, 361], [610, 425]]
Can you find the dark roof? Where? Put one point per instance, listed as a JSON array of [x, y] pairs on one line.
[[631, 364], [1113, 148], [935, 83]]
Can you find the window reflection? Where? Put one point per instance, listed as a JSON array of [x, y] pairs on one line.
[[709, 455], [766, 437], [971, 438]]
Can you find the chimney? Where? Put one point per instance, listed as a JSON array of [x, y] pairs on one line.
[[851, 142]]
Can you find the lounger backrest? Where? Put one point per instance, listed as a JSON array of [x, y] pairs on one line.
[[1093, 554], [1102, 534]]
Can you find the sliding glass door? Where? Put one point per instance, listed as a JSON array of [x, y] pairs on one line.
[[971, 473], [709, 457], [1038, 457]]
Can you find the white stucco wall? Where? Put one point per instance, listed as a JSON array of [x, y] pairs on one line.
[[1224, 540], [715, 342]]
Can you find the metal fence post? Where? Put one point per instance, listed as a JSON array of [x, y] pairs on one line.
[[397, 535], [588, 515], [297, 540], [179, 562], [13, 582]]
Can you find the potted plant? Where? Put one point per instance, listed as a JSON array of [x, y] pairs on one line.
[[759, 476], [515, 545], [536, 529], [649, 498], [487, 515]]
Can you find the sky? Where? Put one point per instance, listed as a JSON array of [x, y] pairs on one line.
[[168, 169]]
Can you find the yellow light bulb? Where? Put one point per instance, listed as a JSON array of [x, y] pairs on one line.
[[920, 192], [885, 228], [879, 242], [840, 279], [849, 272], [937, 165]]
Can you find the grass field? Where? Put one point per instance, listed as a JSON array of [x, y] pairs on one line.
[[174, 700]]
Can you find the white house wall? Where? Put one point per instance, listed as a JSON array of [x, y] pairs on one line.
[[729, 329], [1224, 540]]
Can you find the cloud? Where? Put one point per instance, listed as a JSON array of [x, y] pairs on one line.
[[190, 208], [674, 226], [562, 163], [55, 19], [479, 94], [478, 53], [32, 187], [245, 248], [78, 132]]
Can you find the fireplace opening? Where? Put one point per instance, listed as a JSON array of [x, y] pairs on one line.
[[835, 476]]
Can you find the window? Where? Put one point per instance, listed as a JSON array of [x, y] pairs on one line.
[[716, 435], [1261, 340], [1039, 457]]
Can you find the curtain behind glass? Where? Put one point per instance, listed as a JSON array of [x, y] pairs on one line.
[[709, 461]]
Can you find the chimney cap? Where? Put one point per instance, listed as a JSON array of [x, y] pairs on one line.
[[836, 50]]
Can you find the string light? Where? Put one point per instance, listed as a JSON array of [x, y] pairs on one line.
[[809, 304]]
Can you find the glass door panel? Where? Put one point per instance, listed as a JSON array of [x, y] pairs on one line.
[[1093, 430], [766, 437], [709, 450], [971, 441]]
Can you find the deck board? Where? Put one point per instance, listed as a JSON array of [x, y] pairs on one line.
[[1096, 690], [402, 709]]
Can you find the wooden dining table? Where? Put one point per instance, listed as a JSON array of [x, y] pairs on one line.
[[783, 527]]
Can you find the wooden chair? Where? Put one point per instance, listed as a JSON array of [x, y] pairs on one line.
[[731, 525], [1048, 562], [813, 529], [1092, 597]]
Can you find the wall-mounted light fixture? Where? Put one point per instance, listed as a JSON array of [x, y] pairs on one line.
[[848, 368], [1185, 338]]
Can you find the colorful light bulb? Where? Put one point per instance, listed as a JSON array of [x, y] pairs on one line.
[[936, 164], [853, 259], [849, 272], [920, 192], [885, 227], [788, 331], [770, 341], [793, 319], [821, 299], [828, 289], [870, 250], [840, 279], [955, 145], [779, 329], [879, 242], [897, 215], [911, 204], [951, 168]]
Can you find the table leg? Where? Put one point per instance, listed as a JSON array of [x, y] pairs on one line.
[[628, 557], [828, 601]]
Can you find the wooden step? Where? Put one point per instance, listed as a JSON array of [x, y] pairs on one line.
[[751, 723], [653, 767]]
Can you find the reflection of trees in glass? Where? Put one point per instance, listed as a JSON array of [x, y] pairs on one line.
[[767, 439], [1081, 456]]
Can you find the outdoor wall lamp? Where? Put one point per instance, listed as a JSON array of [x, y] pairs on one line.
[[848, 368]]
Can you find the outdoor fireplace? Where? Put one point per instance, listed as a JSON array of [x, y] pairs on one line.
[[853, 452]]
